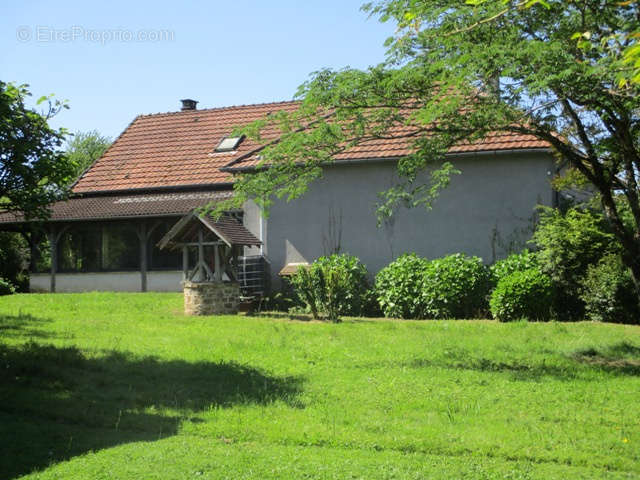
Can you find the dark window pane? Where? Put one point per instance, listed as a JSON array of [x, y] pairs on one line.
[[79, 249], [167, 259], [95, 247], [120, 247]]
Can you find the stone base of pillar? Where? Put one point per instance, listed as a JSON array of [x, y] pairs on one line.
[[211, 298]]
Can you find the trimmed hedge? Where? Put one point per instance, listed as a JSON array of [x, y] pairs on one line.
[[399, 286], [455, 286], [524, 294]]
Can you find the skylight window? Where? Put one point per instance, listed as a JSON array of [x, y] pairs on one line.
[[229, 144]]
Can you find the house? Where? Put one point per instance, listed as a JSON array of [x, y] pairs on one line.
[[163, 166]]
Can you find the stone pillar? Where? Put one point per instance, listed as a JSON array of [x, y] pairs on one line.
[[211, 298]]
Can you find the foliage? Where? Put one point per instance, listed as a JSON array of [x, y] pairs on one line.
[[84, 149], [34, 170], [515, 262], [14, 258], [86, 396], [456, 286], [568, 243], [6, 287], [522, 294], [506, 68], [307, 289], [608, 292], [399, 287], [335, 285]]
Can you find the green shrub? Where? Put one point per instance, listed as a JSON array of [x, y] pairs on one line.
[[6, 288], [456, 286], [523, 294], [609, 292], [568, 243], [336, 285], [515, 262], [14, 260], [398, 287]]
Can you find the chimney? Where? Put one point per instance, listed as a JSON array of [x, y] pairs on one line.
[[188, 104]]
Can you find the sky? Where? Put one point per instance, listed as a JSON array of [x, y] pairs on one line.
[[113, 60]]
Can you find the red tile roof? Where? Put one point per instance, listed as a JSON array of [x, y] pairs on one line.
[[177, 149], [389, 148], [174, 149], [125, 206]]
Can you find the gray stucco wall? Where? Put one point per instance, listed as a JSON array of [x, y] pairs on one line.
[[486, 211]]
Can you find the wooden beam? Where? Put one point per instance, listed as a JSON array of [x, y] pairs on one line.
[[217, 273], [185, 263], [143, 237], [195, 244], [53, 247], [54, 236]]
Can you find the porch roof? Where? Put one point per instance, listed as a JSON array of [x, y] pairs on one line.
[[126, 206], [226, 228]]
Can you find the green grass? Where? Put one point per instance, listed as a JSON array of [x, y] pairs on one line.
[[123, 386]]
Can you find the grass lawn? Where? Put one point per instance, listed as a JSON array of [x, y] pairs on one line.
[[124, 386]]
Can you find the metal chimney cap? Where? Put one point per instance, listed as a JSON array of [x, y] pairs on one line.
[[188, 104]]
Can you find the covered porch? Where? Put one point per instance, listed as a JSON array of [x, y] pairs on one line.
[[110, 243]]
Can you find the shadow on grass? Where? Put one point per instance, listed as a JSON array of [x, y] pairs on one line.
[[303, 317], [56, 403], [617, 359], [23, 325], [622, 358], [517, 370]]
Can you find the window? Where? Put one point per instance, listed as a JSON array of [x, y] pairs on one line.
[[99, 247], [229, 144], [120, 247], [79, 249], [167, 259]]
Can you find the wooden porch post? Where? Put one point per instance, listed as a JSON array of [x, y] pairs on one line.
[[201, 276], [53, 246], [142, 234], [217, 273], [185, 262]]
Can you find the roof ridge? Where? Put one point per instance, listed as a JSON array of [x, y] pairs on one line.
[[229, 107]]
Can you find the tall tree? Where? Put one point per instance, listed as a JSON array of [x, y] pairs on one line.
[[34, 170], [458, 71], [85, 148]]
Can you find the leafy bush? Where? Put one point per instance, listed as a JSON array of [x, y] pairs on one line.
[[515, 262], [6, 288], [456, 286], [398, 286], [14, 259], [523, 294], [609, 292], [568, 243], [336, 285]]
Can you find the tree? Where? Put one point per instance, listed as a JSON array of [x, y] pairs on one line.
[[85, 148], [34, 170], [457, 72]]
